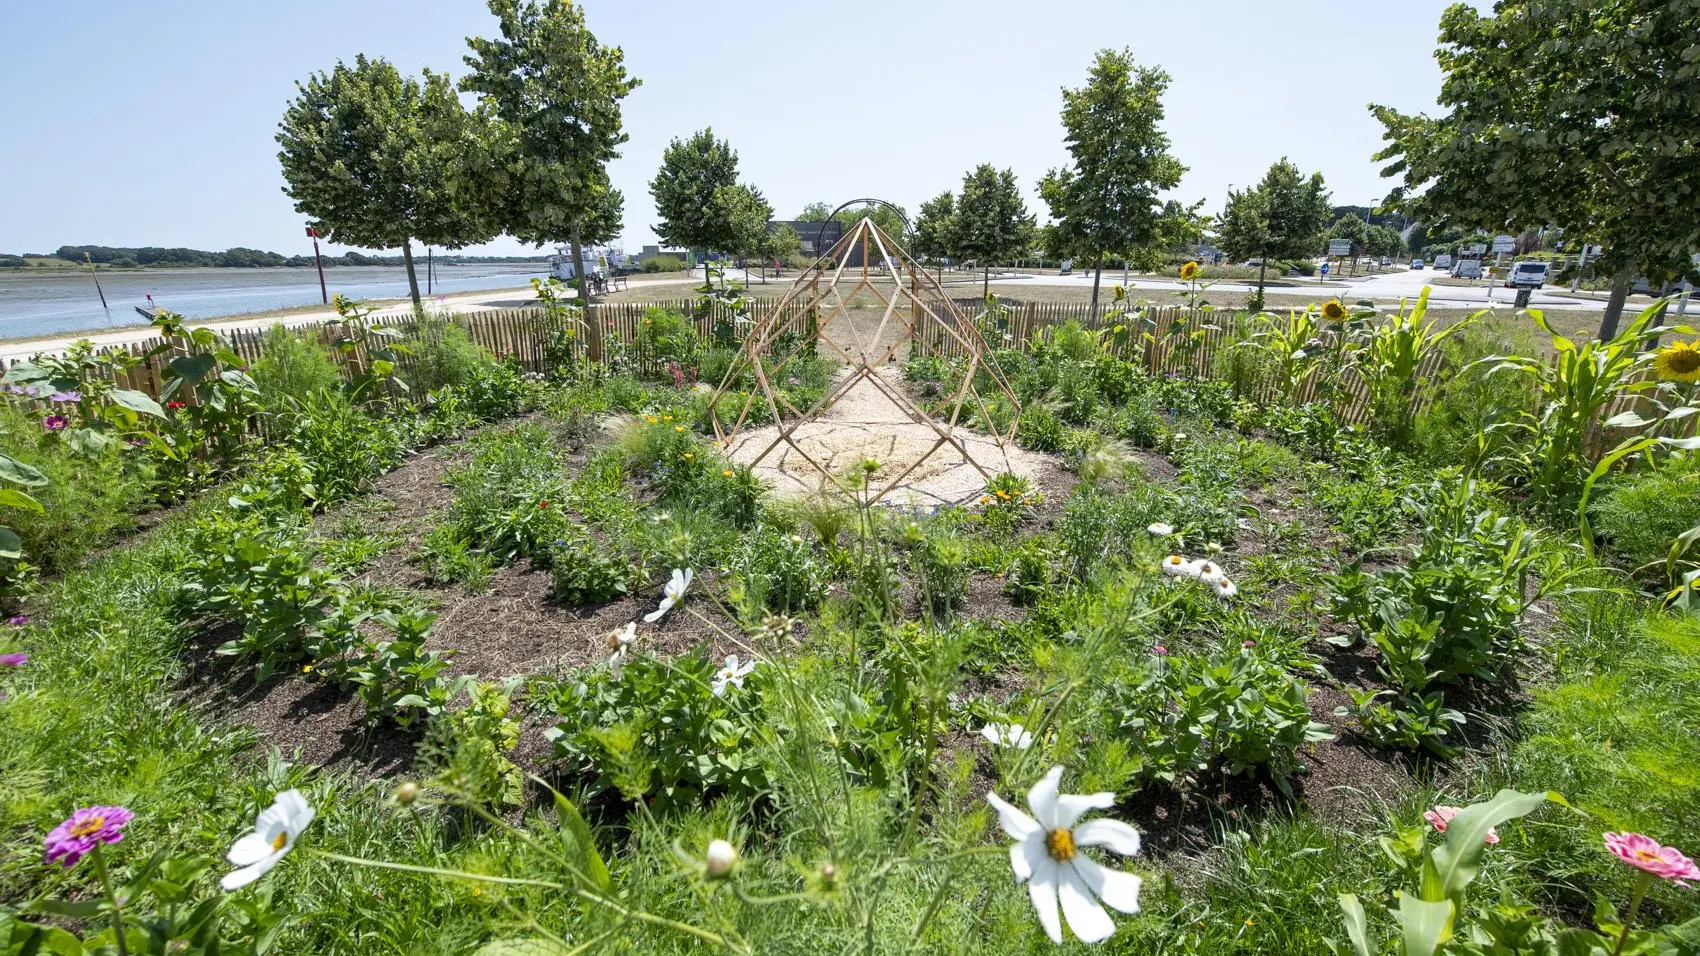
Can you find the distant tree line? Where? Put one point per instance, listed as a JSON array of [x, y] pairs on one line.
[[239, 257]]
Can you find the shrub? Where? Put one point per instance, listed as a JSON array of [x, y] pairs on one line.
[[586, 571], [293, 363], [443, 353], [659, 729], [346, 447], [88, 498], [779, 572], [663, 264]]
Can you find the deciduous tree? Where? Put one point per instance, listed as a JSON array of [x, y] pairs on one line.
[[992, 224], [1281, 217], [551, 93], [692, 172], [376, 159], [1569, 113], [1106, 202]]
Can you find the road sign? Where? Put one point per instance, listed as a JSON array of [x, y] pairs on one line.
[[1339, 247], [1325, 270], [1504, 243]]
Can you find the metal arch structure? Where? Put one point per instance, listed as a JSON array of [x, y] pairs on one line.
[[908, 227]]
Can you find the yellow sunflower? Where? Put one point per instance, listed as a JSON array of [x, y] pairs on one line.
[[1679, 362], [1333, 311], [1189, 271], [1121, 293]]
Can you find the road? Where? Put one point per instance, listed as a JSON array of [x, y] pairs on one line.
[[1385, 286]]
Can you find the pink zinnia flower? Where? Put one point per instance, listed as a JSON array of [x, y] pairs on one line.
[[55, 423], [1440, 816], [1645, 853], [85, 829], [1159, 650], [71, 396], [1248, 643], [15, 659]]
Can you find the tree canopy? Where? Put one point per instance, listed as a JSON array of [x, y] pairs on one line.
[[692, 172], [992, 224], [1106, 202], [1569, 113], [375, 159], [552, 93], [935, 228], [1281, 217]]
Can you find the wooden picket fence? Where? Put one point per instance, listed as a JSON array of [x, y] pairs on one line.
[[531, 336]]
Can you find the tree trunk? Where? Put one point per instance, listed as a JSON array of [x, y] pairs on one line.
[[578, 270], [1620, 283], [412, 277], [1262, 264], [986, 280], [1097, 277]]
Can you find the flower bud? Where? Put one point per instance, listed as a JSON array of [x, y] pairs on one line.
[[721, 856], [407, 793]]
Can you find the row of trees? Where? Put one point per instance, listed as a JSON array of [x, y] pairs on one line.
[[379, 159], [703, 205]]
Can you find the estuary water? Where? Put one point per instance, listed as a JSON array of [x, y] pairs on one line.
[[42, 303]]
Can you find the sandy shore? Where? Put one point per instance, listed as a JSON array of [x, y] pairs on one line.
[[520, 296]]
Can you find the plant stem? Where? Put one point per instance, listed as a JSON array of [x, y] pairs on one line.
[[1634, 908], [111, 897]]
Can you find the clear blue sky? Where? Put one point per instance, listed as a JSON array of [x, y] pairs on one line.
[[152, 123]]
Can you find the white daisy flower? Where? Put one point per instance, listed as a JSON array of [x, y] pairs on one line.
[[1176, 566], [1008, 735], [672, 594], [1206, 570], [1224, 588], [275, 831], [1047, 855], [620, 647], [732, 673], [1160, 529]]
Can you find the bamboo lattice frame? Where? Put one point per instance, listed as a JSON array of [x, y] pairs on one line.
[[906, 284]]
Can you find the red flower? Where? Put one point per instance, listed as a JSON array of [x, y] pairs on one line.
[[543, 504], [173, 405]]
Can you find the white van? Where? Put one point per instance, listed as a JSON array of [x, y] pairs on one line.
[[1467, 269], [1530, 274], [1443, 262]]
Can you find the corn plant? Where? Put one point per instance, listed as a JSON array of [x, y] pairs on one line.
[[1294, 347], [1575, 386], [1395, 351]]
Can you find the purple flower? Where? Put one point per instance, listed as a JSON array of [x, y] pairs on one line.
[[15, 659], [55, 423], [18, 621], [86, 829], [17, 390], [71, 396]]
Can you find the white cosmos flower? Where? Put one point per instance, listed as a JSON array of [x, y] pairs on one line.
[[1047, 854], [620, 647], [672, 594], [1206, 571], [1224, 588], [732, 673], [1008, 735], [275, 831], [1160, 529], [1176, 566]]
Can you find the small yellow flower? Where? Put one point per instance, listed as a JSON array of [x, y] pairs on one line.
[[726, 474], [678, 428], [1679, 362], [1004, 495], [689, 456], [985, 499], [1333, 311], [308, 669], [1189, 271], [652, 419], [666, 418]]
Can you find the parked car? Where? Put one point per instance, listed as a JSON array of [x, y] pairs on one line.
[[1416, 264], [1529, 274], [1467, 269], [1443, 262], [1386, 260]]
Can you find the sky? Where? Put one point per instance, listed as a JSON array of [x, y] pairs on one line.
[[130, 124]]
